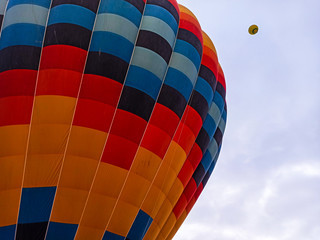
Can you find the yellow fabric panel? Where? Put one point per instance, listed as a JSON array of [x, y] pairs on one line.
[[153, 201], [11, 170], [175, 191], [164, 212], [135, 189], [176, 156], [183, 9], [146, 163], [86, 142], [68, 205], [208, 42], [9, 206], [48, 139], [87, 233], [97, 212], [78, 172], [42, 170], [123, 217], [109, 180], [53, 109], [165, 177], [13, 140], [177, 225], [166, 229], [152, 232]]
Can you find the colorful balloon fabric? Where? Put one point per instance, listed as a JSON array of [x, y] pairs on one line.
[[112, 114]]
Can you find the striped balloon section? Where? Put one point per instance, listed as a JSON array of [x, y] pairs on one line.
[[112, 114]]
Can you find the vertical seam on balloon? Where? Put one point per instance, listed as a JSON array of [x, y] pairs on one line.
[[4, 13], [31, 117], [113, 117], [72, 120], [128, 173], [186, 110]]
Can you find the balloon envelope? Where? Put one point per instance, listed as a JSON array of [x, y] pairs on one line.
[[109, 109]]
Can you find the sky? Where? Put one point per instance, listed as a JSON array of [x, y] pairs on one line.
[[266, 184]]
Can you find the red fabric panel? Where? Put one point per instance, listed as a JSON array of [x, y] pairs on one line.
[[18, 110], [180, 206], [165, 119], [195, 156], [194, 198], [63, 57], [17, 82], [156, 140], [186, 173], [185, 24], [119, 152], [192, 119], [101, 89], [58, 82], [128, 125], [93, 114], [190, 189], [184, 137], [221, 77]]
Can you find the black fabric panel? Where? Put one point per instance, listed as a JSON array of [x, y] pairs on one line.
[[172, 99], [218, 136], [203, 140], [67, 34], [19, 57], [199, 103], [166, 5], [106, 65], [189, 37], [89, 4], [220, 89], [209, 76], [1, 19], [155, 43], [136, 102], [31, 231], [198, 174], [139, 4], [206, 178]]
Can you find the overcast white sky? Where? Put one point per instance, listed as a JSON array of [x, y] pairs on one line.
[[266, 185]]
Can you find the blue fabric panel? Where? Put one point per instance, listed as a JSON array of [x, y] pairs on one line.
[[224, 116], [210, 126], [61, 231], [113, 44], [22, 34], [7, 232], [179, 81], [140, 226], [36, 204], [163, 14], [218, 100], [206, 160], [143, 80], [43, 3], [122, 8], [204, 88], [74, 14], [112, 236], [189, 51]]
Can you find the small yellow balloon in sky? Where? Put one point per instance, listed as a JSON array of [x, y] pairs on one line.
[[253, 29]]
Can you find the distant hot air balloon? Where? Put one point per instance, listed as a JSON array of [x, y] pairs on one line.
[[112, 114], [253, 29]]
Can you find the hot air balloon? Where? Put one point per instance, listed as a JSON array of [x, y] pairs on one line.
[[112, 114]]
